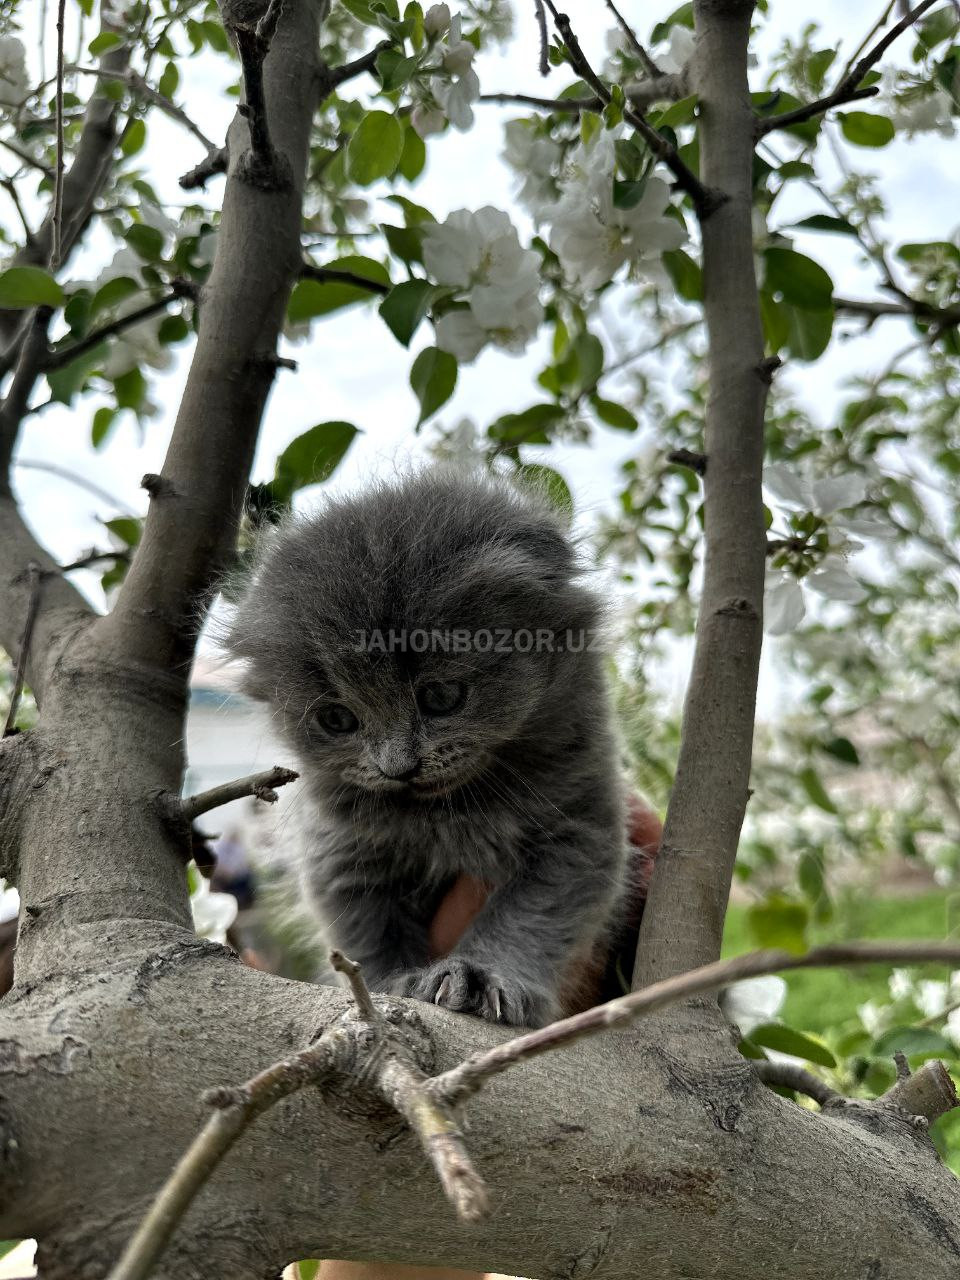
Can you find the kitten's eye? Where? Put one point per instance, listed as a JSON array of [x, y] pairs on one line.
[[336, 718], [441, 697]]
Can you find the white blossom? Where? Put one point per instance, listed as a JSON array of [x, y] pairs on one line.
[[679, 51], [591, 236], [213, 913], [437, 19], [918, 108], [900, 983], [536, 159], [456, 86], [9, 902], [14, 84], [823, 496], [139, 345], [480, 253], [752, 1001], [872, 1017]]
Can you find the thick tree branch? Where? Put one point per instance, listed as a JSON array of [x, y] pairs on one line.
[[234, 1109], [847, 88], [704, 199], [190, 532], [471, 1075], [260, 785], [683, 921]]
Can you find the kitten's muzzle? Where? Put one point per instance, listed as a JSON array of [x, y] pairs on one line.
[[404, 773]]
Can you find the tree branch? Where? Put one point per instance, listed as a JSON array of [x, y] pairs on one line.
[[641, 93], [260, 785], [683, 921], [141, 88], [58, 181], [216, 161], [847, 88], [652, 70], [189, 537], [65, 355], [471, 1075], [234, 1110], [262, 165], [333, 77], [928, 1092], [788, 1075], [704, 200], [330, 275], [34, 585]]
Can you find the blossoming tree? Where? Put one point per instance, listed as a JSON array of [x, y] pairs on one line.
[[652, 180]]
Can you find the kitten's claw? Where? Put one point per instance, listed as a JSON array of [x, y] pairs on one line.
[[443, 991], [467, 986]]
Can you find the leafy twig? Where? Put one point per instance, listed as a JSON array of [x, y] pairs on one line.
[[67, 354], [704, 200], [260, 785], [650, 66], [35, 580], [333, 77], [847, 88], [57, 227], [640, 93], [333, 275], [462, 1081]]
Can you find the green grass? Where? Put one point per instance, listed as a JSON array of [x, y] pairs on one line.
[[822, 999]]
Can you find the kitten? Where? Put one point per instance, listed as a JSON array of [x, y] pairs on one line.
[[427, 757]]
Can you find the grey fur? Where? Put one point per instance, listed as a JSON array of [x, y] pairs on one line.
[[519, 788]]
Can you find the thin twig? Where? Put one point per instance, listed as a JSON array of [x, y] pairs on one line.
[[67, 354], [10, 187], [64, 473], [788, 1075], [260, 785], [358, 987], [544, 37], [847, 88], [649, 65], [34, 580], [335, 76], [93, 556], [139, 86], [640, 93], [461, 1081], [215, 162], [235, 1109], [22, 154], [55, 242], [704, 200], [333, 275]]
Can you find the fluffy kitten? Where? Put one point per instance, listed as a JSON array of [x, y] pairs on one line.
[[423, 764]]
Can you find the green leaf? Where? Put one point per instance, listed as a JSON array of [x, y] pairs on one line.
[[112, 294], [767, 104], [65, 382], [361, 10], [529, 427], [774, 1035], [413, 157], [129, 389], [864, 129], [103, 420], [307, 1270], [312, 457], [808, 332], [545, 482], [818, 64], [316, 298], [375, 148], [826, 222], [405, 306], [778, 922], [613, 414], [169, 81], [127, 528], [405, 242], [29, 287], [145, 241], [686, 274], [76, 312], [816, 792], [394, 69], [842, 749], [800, 280], [134, 137], [104, 41], [911, 1040], [433, 378], [682, 112], [776, 324]]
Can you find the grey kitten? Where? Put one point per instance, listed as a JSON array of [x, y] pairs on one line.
[[428, 757]]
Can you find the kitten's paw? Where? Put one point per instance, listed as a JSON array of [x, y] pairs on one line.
[[468, 987]]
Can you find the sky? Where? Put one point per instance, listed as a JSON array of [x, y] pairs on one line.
[[351, 368]]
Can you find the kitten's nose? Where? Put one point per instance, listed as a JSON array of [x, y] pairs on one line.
[[400, 773]]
